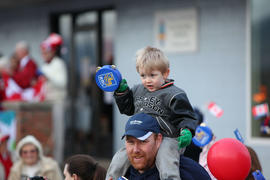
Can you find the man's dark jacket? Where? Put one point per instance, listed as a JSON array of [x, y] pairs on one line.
[[189, 170]]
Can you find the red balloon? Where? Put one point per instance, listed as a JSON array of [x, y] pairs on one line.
[[229, 159]]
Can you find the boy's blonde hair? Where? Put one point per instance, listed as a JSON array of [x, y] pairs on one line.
[[151, 58]]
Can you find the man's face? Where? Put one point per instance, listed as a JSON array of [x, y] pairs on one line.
[[47, 54], [152, 80], [142, 154]]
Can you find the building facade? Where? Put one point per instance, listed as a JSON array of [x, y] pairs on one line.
[[220, 54]]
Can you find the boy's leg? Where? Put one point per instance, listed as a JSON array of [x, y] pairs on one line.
[[119, 165], [167, 160]]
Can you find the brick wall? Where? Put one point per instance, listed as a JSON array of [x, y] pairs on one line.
[[34, 119]]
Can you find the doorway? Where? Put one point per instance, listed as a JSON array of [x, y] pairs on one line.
[[88, 42]]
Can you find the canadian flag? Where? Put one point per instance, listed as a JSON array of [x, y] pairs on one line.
[[215, 110], [13, 92], [260, 110]]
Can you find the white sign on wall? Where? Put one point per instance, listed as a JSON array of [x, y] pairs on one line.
[[176, 30]]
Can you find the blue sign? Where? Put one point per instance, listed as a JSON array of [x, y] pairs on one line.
[[108, 78], [238, 136], [122, 178], [203, 136], [258, 175]]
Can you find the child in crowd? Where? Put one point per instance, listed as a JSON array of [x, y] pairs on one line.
[[159, 97]]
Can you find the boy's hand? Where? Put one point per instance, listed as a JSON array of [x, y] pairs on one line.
[[184, 139], [123, 86]]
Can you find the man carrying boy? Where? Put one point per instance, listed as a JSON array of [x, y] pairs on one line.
[[158, 97], [142, 141]]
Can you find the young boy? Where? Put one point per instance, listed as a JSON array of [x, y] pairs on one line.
[[159, 97]]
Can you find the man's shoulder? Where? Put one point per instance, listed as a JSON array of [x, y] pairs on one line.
[[190, 169], [57, 62], [150, 174]]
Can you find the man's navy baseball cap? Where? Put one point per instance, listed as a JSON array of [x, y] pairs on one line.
[[141, 126]]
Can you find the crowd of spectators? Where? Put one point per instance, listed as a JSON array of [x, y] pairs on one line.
[[48, 82], [22, 79], [20, 72]]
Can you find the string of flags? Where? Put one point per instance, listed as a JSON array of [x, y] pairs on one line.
[[260, 111], [203, 135]]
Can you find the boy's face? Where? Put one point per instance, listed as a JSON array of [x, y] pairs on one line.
[[153, 80]]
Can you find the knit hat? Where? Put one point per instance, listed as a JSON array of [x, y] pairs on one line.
[[29, 139]]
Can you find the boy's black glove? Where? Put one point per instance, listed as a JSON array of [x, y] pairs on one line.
[[123, 86]]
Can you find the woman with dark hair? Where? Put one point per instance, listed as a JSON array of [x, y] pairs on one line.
[[255, 163], [83, 167]]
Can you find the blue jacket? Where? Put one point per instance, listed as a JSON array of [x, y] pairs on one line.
[[189, 170]]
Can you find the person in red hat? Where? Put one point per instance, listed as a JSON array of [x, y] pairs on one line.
[[54, 68], [55, 72], [5, 157]]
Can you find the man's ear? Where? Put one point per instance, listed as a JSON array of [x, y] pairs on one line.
[[159, 139]]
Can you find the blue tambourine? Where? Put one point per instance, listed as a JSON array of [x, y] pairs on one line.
[[108, 78], [203, 136]]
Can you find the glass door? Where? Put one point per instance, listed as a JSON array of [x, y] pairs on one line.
[[88, 38]]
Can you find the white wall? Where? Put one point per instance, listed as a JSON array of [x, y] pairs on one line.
[[31, 22], [216, 72], [17, 25]]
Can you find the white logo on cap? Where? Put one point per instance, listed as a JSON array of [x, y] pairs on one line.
[[136, 122]]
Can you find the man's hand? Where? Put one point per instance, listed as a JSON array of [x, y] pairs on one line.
[[184, 139], [123, 86]]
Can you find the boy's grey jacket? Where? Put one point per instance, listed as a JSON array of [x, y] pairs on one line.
[[169, 105]]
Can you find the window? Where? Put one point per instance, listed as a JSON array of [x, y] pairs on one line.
[[260, 68], [88, 43]]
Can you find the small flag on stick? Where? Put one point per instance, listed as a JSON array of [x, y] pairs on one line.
[[215, 110], [260, 110]]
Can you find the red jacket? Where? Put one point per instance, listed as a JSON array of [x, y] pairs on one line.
[[7, 164], [25, 75]]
